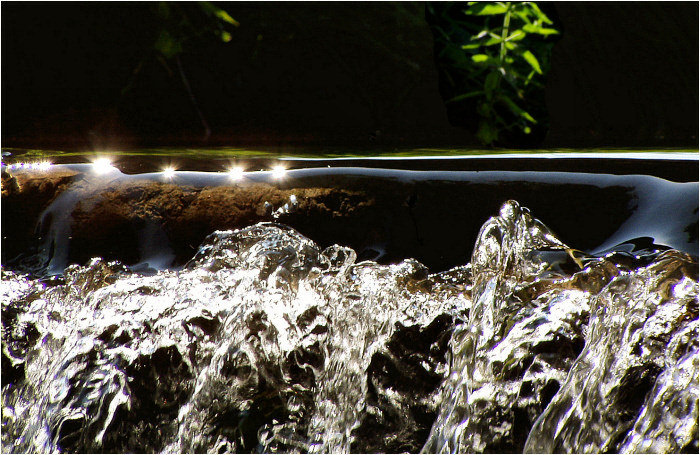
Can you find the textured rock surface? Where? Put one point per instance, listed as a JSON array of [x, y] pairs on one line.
[[70, 213]]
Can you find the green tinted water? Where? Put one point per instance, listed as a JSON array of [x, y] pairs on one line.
[[13, 154]]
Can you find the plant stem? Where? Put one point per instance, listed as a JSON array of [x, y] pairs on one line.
[[504, 35], [488, 120]]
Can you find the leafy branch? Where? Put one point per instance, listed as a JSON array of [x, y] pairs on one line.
[[503, 52], [179, 26]]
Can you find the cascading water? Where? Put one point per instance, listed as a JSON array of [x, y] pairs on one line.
[[264, 342], [564, 362]]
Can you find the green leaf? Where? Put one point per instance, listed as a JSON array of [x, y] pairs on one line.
[[219, 13], [532, 60], [532, 28], [224, 16], [493, 39], [487, 133], [538, 12], [491, 81], [485, 109], [225, 37], [516, 36], [529, 78], [167, 45], [486, 9], [471, 46], [515, 109], [465, 96], [521, 8], [523, 15], [480, 58]]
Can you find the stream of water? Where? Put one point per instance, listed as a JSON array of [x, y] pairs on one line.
[[267, 341]]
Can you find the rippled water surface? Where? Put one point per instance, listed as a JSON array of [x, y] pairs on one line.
[[266, 342]]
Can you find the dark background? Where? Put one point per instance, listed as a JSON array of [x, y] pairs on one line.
[[333, 74]]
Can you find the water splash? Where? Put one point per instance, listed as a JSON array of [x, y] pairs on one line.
[[265, 342], [641, 324]]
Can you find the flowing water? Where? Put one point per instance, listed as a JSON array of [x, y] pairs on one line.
[[267, 341]]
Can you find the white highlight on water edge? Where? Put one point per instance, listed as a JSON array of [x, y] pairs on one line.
[[169, 172], [36, 166], [102, 165], [235, 173], [278, 172]]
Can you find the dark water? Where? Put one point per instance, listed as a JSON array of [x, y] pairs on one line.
[[407, 310]]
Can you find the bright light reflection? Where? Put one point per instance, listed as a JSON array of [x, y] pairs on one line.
[[278, 172], [102, 165], [169, 172], [236, 173], [36, 166]]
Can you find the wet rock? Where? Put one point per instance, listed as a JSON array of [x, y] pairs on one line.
[[403, 385], [24, 196], [151, 222]]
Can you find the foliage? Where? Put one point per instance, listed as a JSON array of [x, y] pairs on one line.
[[179, 25], [182, 23], [497, 54]]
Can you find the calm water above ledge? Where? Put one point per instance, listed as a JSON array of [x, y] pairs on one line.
[[671, 164]]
